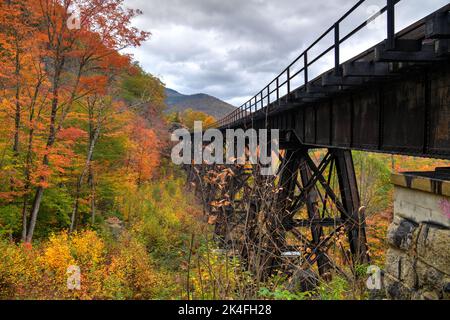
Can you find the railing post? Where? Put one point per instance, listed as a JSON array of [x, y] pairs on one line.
[[337, 70], [262, 99], [305, 67], [288, 83], [390, 45], [251, 106], [278, 90]]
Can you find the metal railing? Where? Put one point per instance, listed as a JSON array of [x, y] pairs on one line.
[[284, 80]]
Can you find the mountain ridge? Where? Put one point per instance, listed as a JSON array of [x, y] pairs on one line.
[[206, 103]]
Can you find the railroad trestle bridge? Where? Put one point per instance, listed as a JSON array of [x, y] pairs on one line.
[[393, 98]]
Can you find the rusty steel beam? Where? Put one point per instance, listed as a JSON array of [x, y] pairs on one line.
[[351, 202]]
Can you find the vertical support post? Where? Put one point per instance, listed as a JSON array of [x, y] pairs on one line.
[[288, 177], [351, 202], [390, 44], [337, 71]]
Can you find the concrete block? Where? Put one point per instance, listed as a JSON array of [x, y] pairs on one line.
[[420, 206]]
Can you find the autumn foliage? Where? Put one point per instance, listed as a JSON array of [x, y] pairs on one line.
[[68, 123], [82, 146]]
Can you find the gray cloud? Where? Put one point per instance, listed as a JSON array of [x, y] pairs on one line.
[[233, 48]]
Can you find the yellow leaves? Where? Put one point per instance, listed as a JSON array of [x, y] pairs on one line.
[[214, 274], [56, 255], [131, 274], [88, 248], [121, 272], [5, 103], [189, 116]]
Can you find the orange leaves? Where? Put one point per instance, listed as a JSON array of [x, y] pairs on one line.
[[112, 21], [212, 219], [221, 203], [40, 176], [71, 134], [94, 84], [143, 151]]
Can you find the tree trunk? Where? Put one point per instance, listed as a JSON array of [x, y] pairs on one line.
[[29, 160], [91, 185], [34, 212], [24, 217], [27, 185], [18, 110], [50, 141], [54, 128], [16, 126], [90, 153]]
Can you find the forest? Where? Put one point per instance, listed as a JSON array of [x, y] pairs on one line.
[[87, 181]]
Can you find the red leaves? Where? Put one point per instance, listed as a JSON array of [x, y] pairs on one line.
[[71, 134], [27, 246]]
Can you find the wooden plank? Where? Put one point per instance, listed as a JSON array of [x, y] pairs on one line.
[[333, 80], [427, 54], [438, 26], [366, 69]]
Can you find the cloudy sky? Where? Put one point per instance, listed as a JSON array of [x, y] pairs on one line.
[[231, 49]]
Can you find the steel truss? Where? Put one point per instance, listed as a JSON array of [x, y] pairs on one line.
[[297, 219]]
